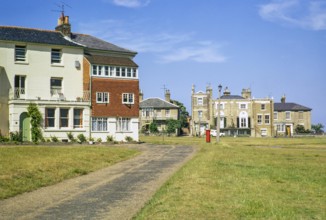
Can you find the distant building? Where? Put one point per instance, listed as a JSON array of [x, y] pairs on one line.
[[157, 110], [287, 116]]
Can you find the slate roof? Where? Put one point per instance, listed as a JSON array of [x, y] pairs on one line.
[[96, 43], [20, 34], [156, 103], [290, 107], [108, 60], [231, 97]]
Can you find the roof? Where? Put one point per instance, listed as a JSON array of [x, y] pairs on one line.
[[156, 103], [231, 97], [21, 34], [108, 60], [96, 43], [290, 107]]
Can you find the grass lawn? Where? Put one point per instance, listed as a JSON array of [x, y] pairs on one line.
[[245, 178], [26, 168]]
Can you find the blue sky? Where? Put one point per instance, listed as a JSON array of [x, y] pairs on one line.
[[274, 47]]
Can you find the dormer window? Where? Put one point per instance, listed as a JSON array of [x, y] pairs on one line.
[[20, 53], [56, 55]]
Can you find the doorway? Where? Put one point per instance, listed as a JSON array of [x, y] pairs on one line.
[[25, 126]]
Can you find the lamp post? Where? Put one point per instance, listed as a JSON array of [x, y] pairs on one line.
[[218, 121]]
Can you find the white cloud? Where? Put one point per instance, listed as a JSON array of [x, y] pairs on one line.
[[131, 3], [305, 14], [165, 46]]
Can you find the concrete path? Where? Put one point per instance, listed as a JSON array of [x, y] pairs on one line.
[[116, 192]]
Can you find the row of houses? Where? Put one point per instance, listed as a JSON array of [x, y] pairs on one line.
[[81, 84], [246, 115]]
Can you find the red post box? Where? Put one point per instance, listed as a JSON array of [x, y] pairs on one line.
[[208, 136]]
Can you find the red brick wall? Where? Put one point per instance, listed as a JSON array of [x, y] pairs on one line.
[[115, 88]]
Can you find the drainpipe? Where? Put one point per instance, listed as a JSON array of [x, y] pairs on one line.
[[90, 100]]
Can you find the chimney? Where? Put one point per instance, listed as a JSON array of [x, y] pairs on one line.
[[141, 96], [246, 93], [63, 25], [167, 96], [227, 91], [283, 99]]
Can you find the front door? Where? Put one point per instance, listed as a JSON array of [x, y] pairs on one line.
[[25, 126], [288, 130]]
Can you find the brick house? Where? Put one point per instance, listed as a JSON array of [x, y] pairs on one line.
[[80, 83]]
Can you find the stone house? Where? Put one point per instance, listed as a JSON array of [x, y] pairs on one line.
[[157, 110]]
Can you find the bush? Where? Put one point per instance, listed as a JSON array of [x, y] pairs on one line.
[[109, 138], [81, 138], [99, 140], [129, 139], [71, 137], [36, 120], [54, 139], [3, 138], [153, 127], [16, 136]]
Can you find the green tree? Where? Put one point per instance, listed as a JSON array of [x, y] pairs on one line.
[[172, 125], [318, 128], [184, 114], [153, 127], [36, 119], [301, 130]]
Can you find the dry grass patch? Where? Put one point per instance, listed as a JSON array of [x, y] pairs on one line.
[[246, 178], [27, 168]]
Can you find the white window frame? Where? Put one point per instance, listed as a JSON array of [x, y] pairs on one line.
[[300, 116], [79, 117], [99, 124], [64, 117], [263, 107], [56, 90], [259, 119], [275, 115], [287, 115], [167, 113], [56, 56], [267, 119], [128, 98], [123, 124], [20, 53], [47, 118], [200, 101], [102, 97], [243, 106]]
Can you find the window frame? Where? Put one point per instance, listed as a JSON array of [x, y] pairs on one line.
[[56, 56], [102, 97], [267, 119], [200, 101], [48, 118], [128, 98], [79, 118], [124, 124], [259, 119], [55, 89], [287, 115], [63, 118], [21, 58], [99, 124]]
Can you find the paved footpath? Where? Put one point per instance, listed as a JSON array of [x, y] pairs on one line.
[[116, 192]]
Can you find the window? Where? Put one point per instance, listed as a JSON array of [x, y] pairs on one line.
[[263, 107], [200, 101], [243, 122], [20, 53], [128, 98], [280, 128], [275, 115], [300, 115], [114, 71], [159, 113], [49, 117], [134, 72], [288, 115], [123, 124], [243, 106], [123, 72], [200, 114], [56, 56], [259, 119], [267, 119], [106, 70], [117, 71], [94, 70], [19, 86], [263, 132], [147, 112], [167, 113], [128, 72], [100, 70], [64, 118], [99, 124], [102, 97], [78, 118], [56, 86]]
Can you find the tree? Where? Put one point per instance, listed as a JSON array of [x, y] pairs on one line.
[[172, 125], [318, 128], [184, 114], [301, 130], [36, 119], [153, 127]]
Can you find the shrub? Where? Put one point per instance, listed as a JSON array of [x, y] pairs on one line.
[[99, 140], [81, 138], [16, 136], [153, 127], [36, 119], [129, 139], [71, 137], [109, 138], [54, 139], [3, 138]]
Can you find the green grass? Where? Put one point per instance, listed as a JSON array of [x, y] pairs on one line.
[[26, 168], [245, 178]]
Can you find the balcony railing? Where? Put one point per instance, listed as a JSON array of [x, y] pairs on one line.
[[55, 94]]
